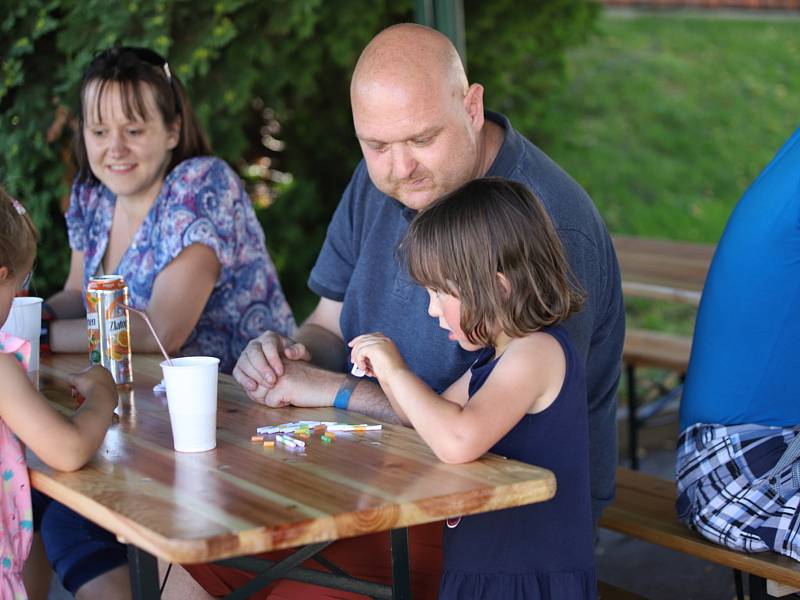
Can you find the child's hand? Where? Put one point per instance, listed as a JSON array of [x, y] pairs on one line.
[[376, 355], [94, 379]]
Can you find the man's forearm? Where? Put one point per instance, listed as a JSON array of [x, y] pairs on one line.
[[309, 386], [368, 399], [329, 352], [327, 349]]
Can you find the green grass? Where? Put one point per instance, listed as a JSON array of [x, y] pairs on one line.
[[665, 120]]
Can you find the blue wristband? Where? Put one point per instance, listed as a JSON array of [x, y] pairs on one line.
[[342, 398]]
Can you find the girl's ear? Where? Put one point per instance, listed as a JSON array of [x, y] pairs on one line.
[[3, 273], [505, 284]]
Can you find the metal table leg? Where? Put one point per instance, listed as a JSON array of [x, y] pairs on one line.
[[290, 568], [144, 574], [401, 568], [277, 571]]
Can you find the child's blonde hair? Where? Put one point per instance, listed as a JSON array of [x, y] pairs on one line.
[[17, 235], [460, 243]]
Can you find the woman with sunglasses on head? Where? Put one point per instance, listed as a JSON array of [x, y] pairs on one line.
[[151, 204]]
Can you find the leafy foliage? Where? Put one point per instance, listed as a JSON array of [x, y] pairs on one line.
[[269, 80]]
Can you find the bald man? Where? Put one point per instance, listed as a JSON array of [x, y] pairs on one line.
[[424, 132]]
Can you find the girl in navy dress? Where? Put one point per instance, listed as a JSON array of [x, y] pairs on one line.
[[499, 282]]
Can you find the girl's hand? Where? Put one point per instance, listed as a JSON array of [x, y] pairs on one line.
[[376, 355], [94, 379]]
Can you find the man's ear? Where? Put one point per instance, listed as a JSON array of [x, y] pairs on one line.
[[473, 104], [505, 284]]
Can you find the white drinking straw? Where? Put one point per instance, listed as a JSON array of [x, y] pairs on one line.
[[143, 314]]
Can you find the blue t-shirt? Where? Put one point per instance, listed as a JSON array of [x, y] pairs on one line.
[[745, 362], [202, 201], [358, 266]]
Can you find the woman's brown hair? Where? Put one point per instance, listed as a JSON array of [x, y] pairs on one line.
[[132, 68], [17, 235], [491, 225]]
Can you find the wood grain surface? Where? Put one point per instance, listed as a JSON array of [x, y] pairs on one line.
[[645, 348], [243, 498], [644, 508]]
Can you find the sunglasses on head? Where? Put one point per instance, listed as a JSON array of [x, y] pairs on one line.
[[27, 281], [145, 55]]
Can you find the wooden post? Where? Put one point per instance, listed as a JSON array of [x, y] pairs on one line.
[[446, 16]]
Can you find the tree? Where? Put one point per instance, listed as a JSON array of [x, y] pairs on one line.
[[269, 79]]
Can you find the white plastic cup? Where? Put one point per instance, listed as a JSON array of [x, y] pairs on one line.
[[192, 400], [25, 321]]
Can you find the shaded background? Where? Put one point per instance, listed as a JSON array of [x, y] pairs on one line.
[[269, 80], [664, 117]]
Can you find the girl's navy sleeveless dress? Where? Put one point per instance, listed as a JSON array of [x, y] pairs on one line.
[[542, 550]]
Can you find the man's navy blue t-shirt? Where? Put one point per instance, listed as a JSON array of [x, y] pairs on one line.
[[360, 267]]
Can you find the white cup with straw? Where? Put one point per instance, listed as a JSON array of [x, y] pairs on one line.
[[191, 384]]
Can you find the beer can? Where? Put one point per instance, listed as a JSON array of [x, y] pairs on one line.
[[108, 327]]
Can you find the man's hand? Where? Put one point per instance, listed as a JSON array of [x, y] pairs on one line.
[[302, 384], [262, 362]]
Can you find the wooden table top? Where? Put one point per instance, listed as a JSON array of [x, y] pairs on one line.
[[663, 269], [242, 498]]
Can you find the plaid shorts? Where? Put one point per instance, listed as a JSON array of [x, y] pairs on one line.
[[739, 486]]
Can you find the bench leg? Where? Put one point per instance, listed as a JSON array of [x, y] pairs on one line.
[[758, 588], [633, 421], [739, 584]]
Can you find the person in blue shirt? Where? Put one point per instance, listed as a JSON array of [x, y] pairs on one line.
[[739, 453], [423, 132]]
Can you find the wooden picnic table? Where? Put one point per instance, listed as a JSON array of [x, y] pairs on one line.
[[663, 269], [242, 498]]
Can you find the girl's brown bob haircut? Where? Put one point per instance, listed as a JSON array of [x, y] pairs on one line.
[[460, 243], [17, 235], [132, 69]]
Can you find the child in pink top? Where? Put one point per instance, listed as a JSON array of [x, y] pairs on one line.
[[16, 518], [25, 415]]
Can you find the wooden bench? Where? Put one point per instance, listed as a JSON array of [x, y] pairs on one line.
[[606, 591], [657, 270], [644, 508], [663, 269], [645, 348]]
